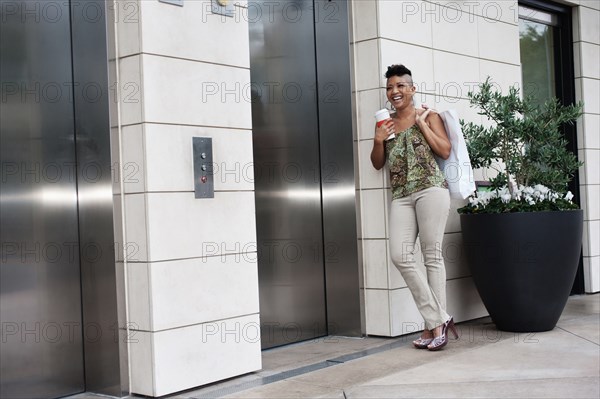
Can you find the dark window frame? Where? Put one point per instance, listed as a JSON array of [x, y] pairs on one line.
[[564, 68]]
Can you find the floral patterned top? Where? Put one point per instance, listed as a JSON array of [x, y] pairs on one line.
[[412, 165]]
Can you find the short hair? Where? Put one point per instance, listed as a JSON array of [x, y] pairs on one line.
[[397, 70]]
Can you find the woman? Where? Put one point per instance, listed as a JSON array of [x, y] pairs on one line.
[[420, 201]]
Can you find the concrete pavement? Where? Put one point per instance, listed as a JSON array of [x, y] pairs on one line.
[[483, 363]]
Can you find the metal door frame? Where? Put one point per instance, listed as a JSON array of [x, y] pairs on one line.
[[105, 360], [344, 303], [88, 85], [338, 190]]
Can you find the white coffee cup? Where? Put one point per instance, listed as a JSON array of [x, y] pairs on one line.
[[381, 116]]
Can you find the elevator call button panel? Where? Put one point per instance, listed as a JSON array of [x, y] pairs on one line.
[[203, 167]]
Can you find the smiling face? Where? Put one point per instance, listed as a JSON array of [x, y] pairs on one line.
[[400, 91]]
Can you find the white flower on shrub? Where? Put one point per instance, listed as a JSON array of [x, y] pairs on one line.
[[528, 194], [543, 190], [569, 196]]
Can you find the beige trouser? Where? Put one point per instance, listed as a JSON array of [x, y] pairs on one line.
[[424, 213]]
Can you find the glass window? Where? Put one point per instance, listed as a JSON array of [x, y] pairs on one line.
[[536, 32]]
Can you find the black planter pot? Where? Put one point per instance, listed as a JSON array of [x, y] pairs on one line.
[[523, 265]]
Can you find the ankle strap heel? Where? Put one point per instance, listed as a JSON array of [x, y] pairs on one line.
[[442, 340]]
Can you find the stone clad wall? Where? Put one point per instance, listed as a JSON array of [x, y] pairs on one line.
[[191, 269]]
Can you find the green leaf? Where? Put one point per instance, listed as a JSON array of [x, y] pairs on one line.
[[524, 137]]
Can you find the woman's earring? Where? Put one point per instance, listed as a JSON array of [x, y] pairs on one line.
[[391, 107]]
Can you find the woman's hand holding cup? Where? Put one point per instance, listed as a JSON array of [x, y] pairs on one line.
[[384, 131], [385, 126]]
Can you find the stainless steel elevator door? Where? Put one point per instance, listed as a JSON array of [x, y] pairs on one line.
[[40, 301], [287, 172]]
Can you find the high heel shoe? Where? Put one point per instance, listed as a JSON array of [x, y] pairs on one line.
[[422, 343], [442, 340]]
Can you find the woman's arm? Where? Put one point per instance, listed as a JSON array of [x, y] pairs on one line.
[[378, 151], [433, 129]]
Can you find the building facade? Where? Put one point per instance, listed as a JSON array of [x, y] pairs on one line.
[[186, 275]]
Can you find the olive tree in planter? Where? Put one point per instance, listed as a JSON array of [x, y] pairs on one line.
[[522, 237]]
